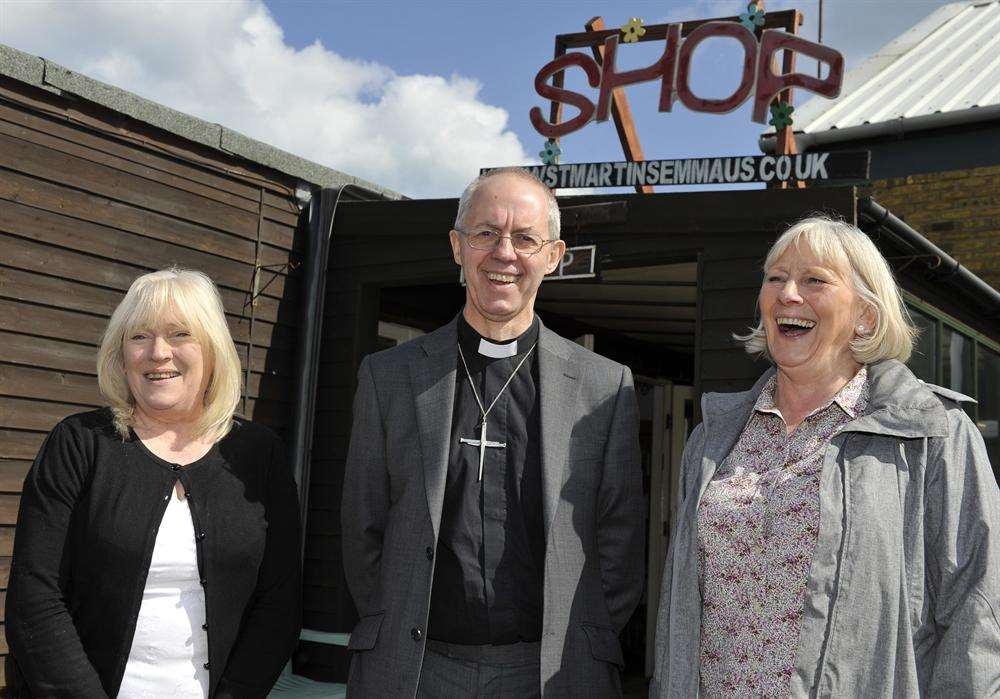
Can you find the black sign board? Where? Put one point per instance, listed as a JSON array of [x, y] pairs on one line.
[[577, 263], [813, 167]]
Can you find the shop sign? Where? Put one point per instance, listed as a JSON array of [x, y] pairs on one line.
[[813, 167], [673, 70]]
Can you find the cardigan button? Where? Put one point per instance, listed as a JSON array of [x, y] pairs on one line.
[[204, 582], [207, 666], [416, 633], [201, 535], [204, 626], [429, 552], [175, 467]]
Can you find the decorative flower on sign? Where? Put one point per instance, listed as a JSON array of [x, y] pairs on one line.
[[632, 30], [781, 115], [550, 154], [753, 17]]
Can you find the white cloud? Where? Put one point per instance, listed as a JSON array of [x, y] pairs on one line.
[[227, 62]]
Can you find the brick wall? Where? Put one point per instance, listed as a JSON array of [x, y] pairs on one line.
[[959, 210]]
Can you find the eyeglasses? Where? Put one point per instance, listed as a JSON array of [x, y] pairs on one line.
[[523, 243]]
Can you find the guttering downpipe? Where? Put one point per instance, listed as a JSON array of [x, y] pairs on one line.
[[947, 267], [322, 211]]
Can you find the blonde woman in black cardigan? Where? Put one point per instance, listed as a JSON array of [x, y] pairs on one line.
[[157, 542]]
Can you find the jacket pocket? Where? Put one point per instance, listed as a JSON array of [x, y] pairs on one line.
[[366, 632], [604, 644]]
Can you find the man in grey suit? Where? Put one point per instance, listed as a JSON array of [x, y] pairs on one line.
[[492, 505]]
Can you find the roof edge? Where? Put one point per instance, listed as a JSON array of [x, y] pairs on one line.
[[893, 127], [48, 75]]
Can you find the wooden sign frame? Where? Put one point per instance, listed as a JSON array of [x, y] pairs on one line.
[[621, 113]]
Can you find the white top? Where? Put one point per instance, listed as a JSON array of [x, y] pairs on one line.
[[170, 649]]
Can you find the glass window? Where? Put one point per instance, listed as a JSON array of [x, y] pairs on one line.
[[923, 361], [989, 404], [957, 370]]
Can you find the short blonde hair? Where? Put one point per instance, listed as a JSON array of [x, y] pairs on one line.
[[852, 253], [193, 299]]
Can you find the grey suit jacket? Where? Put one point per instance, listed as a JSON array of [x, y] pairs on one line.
[[593, 511]]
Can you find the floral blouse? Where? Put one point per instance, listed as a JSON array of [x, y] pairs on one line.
[[757, 526]]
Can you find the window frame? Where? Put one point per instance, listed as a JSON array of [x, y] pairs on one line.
[[943, 320]]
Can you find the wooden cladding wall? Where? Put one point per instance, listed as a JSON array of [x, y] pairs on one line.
[[89, 200]]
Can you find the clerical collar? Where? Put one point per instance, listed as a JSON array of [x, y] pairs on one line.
[[497, 351], [474, 343]]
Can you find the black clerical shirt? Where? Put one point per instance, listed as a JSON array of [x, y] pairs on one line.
[[491, 550]]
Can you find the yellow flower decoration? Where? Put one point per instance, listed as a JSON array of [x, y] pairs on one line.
[[632, 30]]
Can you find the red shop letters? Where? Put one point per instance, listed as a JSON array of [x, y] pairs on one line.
[[673, 69]]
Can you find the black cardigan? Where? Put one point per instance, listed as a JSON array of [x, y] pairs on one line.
[[90, 511]]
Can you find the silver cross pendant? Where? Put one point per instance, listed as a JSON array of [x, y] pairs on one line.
[[482, 443]]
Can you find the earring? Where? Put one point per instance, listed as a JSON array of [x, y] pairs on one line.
[[862, 330]]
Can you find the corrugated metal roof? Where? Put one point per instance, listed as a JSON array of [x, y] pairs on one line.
[[948, 63]]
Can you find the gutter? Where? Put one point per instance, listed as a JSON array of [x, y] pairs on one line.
[[322, 211], [895, 127], [987, 298]]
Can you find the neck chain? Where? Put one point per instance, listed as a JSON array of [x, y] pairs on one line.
[[482, 442]]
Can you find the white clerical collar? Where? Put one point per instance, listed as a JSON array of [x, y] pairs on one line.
[[491, 349]]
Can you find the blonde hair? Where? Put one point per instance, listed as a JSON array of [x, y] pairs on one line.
[[851, 252], [193, 299]]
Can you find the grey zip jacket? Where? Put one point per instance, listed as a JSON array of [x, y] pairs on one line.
[[903, 596]]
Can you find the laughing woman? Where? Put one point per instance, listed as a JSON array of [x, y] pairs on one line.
[[839, 530], [157, 550]]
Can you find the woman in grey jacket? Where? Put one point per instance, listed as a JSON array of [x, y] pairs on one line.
[[839, 526]]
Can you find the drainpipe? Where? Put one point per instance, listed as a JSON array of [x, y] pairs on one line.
[[322, 211], [986, 297]]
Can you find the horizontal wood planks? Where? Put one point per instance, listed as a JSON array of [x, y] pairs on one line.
[[89, 200]]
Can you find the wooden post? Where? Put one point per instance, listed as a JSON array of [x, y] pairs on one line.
[[784, 143], [621, 112]]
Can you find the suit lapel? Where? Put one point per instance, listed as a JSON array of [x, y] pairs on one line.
[[559, 386], [433, 380]]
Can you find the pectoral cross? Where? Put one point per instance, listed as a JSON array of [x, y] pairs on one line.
[[482, 443]]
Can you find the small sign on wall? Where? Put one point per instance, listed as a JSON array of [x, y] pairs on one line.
[[577, 263]]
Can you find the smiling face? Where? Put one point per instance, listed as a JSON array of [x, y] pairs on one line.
[[166, 371], [810, 313], [501, 284]]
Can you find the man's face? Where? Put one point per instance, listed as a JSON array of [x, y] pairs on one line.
[[501, 284]]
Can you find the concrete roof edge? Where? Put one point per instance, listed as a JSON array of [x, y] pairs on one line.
[[48, 75], [245, 147], [129, 104], [22, 66]]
